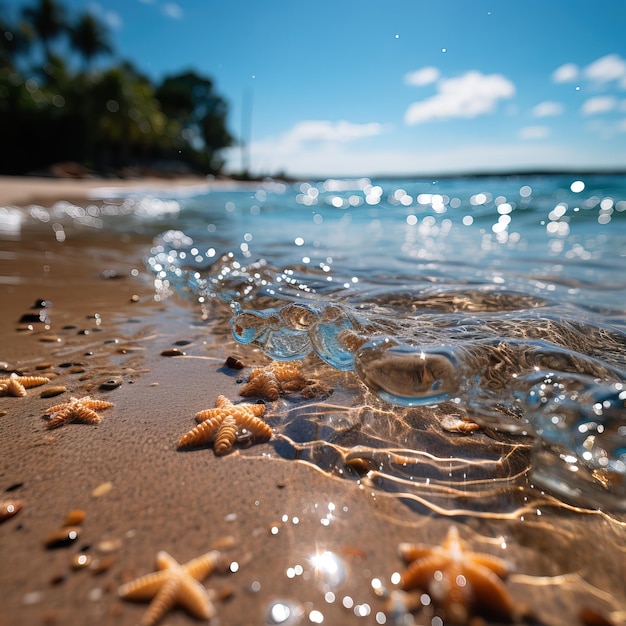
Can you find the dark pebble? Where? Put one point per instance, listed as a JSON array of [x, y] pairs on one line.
[[63, 537], [111, 274], [41, 304], [37, 318], [182, 342], [172, 352], [234, 363], [108, 385]]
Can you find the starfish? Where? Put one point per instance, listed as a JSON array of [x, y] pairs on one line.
[[174, 584], [270, 381], [82, 409], [17, 385], [225, 424], [460, 582]]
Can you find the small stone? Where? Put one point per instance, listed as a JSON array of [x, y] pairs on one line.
[[50, 392], [112, 383], [234, 363], [134, 298], [102, 489], [75, 517], [81, 560], [62, 537], [172, 352], [50, 339]]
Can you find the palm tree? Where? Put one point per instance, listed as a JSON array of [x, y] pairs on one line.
[[89, 38], [48, 20]]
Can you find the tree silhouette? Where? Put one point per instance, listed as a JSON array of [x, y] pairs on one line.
[[113, 119], [90, 38], [47, 18], [192, 100]]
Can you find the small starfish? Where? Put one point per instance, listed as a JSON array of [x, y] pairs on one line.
[[174, 584], [17, 385], [270, 381], [225, 424], [460, 582], [82, 409]]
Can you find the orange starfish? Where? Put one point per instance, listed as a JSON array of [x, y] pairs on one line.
[[17, 385], [81, 409], [270, 381], [461, 582], [226, 424], [174, 584]]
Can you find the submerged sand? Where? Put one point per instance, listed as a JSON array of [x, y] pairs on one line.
[[141, 495]]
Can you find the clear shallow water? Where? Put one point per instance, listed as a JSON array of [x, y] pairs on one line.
[[496, 299], [499, 300]]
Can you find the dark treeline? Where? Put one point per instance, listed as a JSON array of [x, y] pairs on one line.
[[56, 107]]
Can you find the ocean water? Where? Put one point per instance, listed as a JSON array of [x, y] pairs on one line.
[[430, 307], [497, 301]]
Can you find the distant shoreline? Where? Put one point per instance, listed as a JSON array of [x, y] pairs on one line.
[[20, 190]]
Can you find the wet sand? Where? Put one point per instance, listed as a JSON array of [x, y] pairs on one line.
[[279, 511]]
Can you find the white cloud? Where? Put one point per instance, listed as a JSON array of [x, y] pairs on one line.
[[173, 10], [325, 130], [466, 96], [314, 142], [547, 109], [599, 104], [110, 18], [606, 69], [566, 73], [534, 132], [423, 76]]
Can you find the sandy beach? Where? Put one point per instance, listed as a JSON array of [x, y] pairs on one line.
[[105, 336]]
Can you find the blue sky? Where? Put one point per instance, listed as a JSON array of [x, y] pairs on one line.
[[366, 87]]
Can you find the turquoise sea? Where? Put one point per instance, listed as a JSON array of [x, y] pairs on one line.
[[491, 300], [502, 297]]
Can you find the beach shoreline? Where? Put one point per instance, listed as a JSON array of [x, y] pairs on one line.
[[140, 494]]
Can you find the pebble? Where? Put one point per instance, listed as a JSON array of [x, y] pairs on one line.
[[102, 489], [172, 352], [112, 383], [106, 546], [43, 366], [234, 363], [10, 508], [50, 339], [75, 517], [50, 392], [62, 537], [81, 560]]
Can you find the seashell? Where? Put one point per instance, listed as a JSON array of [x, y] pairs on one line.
[[50, 392], [75, 518], [62, 537], [172, 352], [8, 508], [234, 363]]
